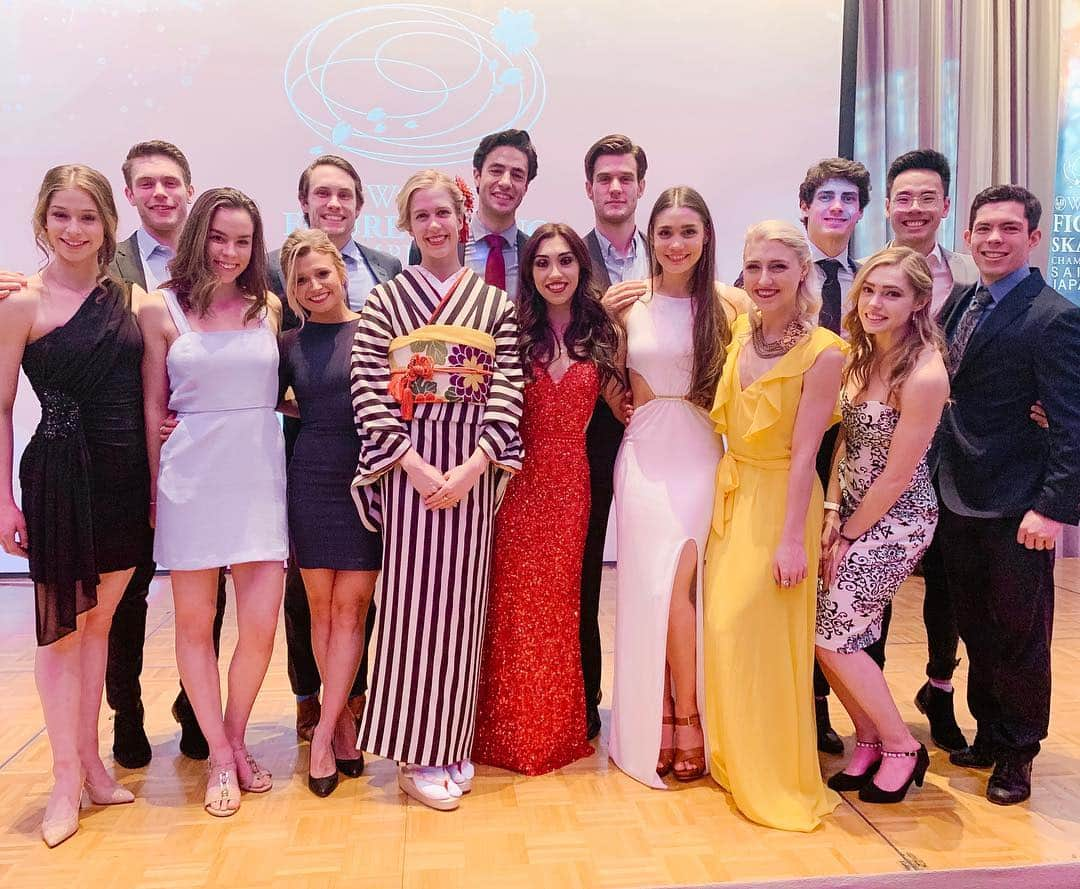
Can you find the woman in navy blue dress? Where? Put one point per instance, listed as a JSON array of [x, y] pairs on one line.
[[337, 556]]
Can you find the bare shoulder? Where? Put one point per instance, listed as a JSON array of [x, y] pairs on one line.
[[138, 297], [273, 306], [928, 380], [18, 311], [734, 300], [830, 360]]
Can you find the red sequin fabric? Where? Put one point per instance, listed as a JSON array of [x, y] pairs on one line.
[[531, 714]]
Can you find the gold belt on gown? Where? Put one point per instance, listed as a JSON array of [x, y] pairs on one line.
[[727, 482]]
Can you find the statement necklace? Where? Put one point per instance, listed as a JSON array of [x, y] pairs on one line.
[[794, 332]]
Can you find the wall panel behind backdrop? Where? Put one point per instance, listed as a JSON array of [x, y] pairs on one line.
[[735, 99]]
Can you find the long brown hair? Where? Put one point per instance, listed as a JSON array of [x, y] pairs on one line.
[[865, 360], [193, 279], [96, 185], [711, 333], [590, 335]]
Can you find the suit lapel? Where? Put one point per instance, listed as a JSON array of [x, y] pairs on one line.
[[378, 270], [1014, 304], [129, 262], [603, 279]]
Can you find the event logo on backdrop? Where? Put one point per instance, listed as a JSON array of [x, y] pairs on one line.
[[1063, 267], [414, 85]]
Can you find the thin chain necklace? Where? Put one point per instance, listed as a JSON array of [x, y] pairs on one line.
[[790, 338]]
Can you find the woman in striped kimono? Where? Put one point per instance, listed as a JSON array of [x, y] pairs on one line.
[[437, 393]]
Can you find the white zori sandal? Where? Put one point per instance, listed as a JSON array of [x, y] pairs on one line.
[[462, 774], [429, 785]]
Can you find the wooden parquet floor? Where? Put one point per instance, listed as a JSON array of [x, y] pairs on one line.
[[587, 825]]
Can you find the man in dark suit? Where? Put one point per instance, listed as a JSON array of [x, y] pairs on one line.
[[916, 203], [1007, 485], [832, 197], [157, 183], [614, 181], [504, 165], [331, 196]]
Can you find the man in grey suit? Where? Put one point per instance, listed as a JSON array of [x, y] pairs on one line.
[[916, 203], [331, 196]]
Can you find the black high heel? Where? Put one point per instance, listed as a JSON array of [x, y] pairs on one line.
[[871, 793], [844, 781], [322, 786], [351, 768]]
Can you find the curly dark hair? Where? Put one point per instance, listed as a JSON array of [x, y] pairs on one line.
[[590, 335]]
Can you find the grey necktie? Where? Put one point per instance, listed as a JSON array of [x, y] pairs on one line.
[[968, 322]]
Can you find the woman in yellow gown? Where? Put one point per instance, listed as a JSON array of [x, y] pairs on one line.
[[777, 396]]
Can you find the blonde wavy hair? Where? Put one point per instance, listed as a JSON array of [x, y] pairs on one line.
[[865, 360], [300, 243], [427, 179], [808, 294]]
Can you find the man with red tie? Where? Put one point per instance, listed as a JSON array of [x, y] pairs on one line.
[[504, 164]]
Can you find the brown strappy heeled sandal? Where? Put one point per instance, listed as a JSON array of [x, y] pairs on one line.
[[693, 757], [666, 759]]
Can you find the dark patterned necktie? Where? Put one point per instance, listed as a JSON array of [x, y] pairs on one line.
[[830, 295], [968, 322], [495, 267]]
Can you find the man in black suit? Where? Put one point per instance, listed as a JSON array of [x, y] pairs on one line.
[[504, 165], [157, 183], [832, 197], [331, 196], [1007, 485], [614, 181]]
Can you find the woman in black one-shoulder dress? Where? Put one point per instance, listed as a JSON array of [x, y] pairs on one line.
[[337, 556], [84, 480]]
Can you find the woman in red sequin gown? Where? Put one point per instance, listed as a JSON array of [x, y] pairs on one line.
[[531, 713]]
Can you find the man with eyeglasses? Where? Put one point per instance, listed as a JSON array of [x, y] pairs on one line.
[[916, 203]]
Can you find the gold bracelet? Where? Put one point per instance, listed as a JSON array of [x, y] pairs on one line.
[[831, 507]]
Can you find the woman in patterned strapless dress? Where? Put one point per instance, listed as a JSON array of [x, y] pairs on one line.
[[531, 712], [882, 510]]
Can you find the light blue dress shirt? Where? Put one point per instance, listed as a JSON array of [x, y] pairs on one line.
[[476, 252], [632, 267], [155, 258], [361, 279]]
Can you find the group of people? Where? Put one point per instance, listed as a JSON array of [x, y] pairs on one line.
[[455, 434]]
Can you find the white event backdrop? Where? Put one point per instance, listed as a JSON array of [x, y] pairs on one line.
[[735, 99]]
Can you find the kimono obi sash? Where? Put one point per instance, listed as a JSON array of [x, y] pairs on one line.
[[441, 364]]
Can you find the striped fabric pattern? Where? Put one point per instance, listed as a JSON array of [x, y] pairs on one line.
[[422, 702]]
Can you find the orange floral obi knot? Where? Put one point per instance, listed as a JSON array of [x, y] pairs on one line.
[[441, 365]]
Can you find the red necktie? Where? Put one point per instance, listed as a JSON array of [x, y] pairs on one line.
[[495, 267]]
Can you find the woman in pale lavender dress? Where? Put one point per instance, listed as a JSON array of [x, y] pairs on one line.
[[880, 507], [211, 356]]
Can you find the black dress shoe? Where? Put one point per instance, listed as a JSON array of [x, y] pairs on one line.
[[192, 741], [350, 768], [980, 755], [937, 706], [871, 793], [131, 747], [1011, 782], [828, 741], [322, 786]]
